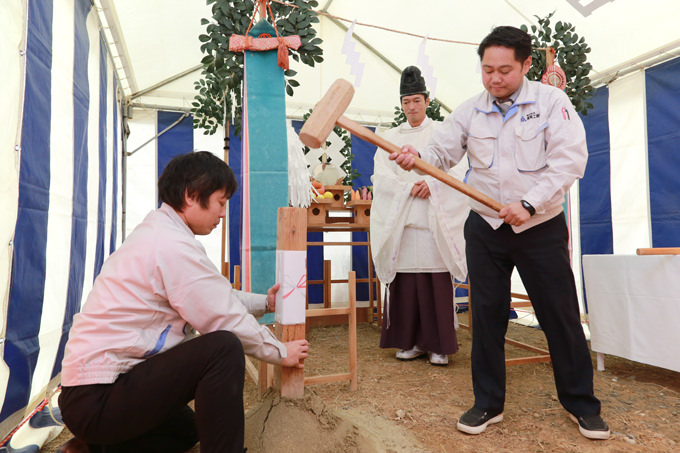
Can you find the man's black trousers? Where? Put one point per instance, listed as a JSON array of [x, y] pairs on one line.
[[541, 257]]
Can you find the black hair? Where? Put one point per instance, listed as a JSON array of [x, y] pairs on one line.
[[198, 174], [510, 37]]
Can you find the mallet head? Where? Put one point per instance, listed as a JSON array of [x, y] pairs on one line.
[[332, 105]]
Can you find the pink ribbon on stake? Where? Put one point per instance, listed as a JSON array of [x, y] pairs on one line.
[[301, 284]]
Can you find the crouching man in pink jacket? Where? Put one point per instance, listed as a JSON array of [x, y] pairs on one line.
[[129, 369]]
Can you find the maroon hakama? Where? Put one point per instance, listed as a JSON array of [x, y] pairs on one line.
[[420, 313]]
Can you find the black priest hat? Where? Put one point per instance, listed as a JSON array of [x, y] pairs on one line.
[[412, 82]]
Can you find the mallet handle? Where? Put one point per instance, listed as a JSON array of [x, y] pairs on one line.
[[371, 137], [659, 251]]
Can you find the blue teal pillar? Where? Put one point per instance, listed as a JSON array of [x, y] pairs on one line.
[[265, 115]]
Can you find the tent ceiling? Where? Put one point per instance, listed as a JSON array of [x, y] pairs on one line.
[[159, 40]]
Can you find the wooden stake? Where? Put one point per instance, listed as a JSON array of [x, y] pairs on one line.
[[353, 383], [327, 284], [291, 235]]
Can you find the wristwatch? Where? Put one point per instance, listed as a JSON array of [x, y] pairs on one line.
[[526, 205]]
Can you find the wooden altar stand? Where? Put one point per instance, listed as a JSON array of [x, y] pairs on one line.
[[335, 215]]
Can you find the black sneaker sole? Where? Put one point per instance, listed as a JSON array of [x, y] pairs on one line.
[[594, 435], [479, 429]]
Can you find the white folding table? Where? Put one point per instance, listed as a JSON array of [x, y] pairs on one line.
[[634, 307]]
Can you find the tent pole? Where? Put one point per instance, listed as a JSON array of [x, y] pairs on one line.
[[165, 108], [107, 11], [225, 263], [125, 132], [162, 83], [158, 134], [644, 61]]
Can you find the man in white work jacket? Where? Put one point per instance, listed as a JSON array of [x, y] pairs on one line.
[[526, 146]]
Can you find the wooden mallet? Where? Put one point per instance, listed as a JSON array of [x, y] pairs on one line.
[[329, 112]]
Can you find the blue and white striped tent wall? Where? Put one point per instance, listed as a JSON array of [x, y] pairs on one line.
[[630, 195], [148, 161], [60, 186]]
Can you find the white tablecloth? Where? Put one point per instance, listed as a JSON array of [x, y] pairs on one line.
[[634, 307]]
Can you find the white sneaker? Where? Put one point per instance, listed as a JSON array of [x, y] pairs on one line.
[[438, 359], [410, 354]]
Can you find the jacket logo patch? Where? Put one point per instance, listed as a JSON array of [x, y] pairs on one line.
[[530, 116]]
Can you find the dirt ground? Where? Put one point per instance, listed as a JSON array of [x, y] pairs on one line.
[[414, 406]]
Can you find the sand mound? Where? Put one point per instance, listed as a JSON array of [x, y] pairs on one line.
[[307, 425]]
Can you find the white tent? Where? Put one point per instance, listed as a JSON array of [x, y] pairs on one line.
[[121, 64], [623, 35]]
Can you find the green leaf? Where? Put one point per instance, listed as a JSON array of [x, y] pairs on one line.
[[223, 69], [571, 56]]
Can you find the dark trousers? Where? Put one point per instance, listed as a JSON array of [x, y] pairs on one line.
[[145, 410], [542, 260]]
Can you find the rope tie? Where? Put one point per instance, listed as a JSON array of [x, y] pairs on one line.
[[283, 60], [283, 54]]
